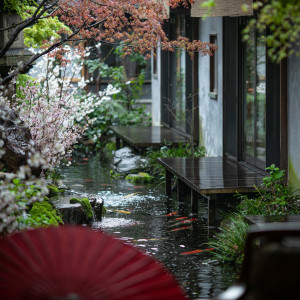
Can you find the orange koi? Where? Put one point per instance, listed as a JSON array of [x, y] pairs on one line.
[[138, 187], [87, 179], [196, 251], [182, 228], [85, 158], [171, 214], [180, 218], [183, 222], [121, 211], [188, 221], [130, 195]]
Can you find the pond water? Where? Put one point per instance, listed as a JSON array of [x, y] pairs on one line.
[[138, 215]]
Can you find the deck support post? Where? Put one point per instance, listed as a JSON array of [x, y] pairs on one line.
[[211, 210], [168, 183], [182, 192], [194, 203], [118, 143]]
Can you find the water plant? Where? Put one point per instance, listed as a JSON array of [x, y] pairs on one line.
[[229, 242]]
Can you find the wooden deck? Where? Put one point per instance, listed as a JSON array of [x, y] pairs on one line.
[[142, 137], [209, 176]]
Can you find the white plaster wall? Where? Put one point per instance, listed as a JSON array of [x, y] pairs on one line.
[[211, 110], [294, 120], [156, 91]]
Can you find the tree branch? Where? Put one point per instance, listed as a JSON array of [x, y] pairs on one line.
[[52, 47], [36, 15], [12, 26]]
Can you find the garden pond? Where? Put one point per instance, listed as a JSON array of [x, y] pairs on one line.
[[141, 215]]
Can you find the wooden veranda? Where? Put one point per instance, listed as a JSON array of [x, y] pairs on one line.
[[143, 137], [209, 177]]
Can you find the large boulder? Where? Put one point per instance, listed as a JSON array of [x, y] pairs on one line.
[[126, 161], [16, 137]]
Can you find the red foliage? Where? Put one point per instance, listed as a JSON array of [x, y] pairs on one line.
[[138, 23]]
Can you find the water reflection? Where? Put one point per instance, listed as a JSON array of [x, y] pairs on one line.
[[139, 215]]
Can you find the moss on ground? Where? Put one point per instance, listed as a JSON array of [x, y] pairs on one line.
[[43, 214]]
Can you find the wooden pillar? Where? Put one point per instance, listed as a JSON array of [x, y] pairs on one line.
[[283, 116], [118, 143], [168, 183], [211, 210], [194, 203], [182, 192]]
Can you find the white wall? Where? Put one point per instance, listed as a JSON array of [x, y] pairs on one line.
[[294, 120], [211, 110], [156, 91]]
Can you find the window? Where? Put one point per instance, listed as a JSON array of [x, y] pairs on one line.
[[154, 61], [213, 69]]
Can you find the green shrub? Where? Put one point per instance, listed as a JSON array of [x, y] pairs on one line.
[[119, 108], [273, 197]]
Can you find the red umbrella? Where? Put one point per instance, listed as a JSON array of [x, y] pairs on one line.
[[77, 263]]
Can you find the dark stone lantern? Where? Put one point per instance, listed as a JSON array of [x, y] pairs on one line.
[[17, 51]]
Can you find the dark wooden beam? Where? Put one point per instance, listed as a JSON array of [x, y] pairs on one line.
[[283, 116]]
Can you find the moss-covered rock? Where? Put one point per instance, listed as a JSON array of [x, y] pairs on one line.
[[141, 177], [86, 205], [75, 200], [53, 190], [85, 202], [43, 214]]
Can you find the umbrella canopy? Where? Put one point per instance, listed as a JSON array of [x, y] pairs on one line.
[[70, 262]]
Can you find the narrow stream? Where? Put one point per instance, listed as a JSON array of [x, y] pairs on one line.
[[138, 215]]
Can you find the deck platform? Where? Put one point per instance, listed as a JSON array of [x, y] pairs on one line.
[[142, 137], [209, 177]]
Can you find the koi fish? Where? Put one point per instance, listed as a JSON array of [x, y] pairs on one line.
[[106, 184], [182, 228], [147, 240], [121, 211], [196, 251], [180, 218], [189, 221], [90, 180], [138, 187], [171, 214], [129, 195], [85, 158]]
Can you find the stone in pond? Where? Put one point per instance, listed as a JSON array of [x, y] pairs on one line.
[[126, 161], [141, 177], [98, 209], [72, 213]]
